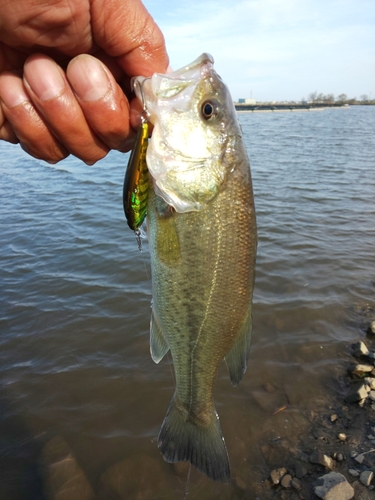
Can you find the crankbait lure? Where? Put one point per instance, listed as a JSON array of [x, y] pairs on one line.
[[135, 191]]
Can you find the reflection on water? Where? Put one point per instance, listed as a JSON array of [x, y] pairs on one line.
[[80, 396]]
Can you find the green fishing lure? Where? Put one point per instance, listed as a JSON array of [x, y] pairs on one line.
[[136, 181]]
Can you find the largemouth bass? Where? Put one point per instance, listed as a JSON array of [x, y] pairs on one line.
[[202, 237]]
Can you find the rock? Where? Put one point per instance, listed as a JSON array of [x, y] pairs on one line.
[[334, 417], [370, 381], [370, 437], [138, 477], [366, 477], [372, 328], [361, 371], [360, 458], [319, 458], [296, 484], [63, 478], [353, 472], [286, 481], [300, 470], [372, 395], [340, 457], [333, 486], [357, 392], [353, 454], [277, 475], [342, 436], [360, 349]]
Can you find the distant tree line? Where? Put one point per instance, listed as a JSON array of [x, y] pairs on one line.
[[342, 99]]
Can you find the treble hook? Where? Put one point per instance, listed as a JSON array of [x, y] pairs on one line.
[[145, 115]]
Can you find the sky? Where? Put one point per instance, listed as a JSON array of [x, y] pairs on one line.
[[275, 49]]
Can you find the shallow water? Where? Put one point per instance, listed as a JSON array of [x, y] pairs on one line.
[[75, 304]]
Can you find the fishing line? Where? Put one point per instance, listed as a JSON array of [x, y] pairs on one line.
[[187, 483]]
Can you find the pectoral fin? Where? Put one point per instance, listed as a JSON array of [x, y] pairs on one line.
[[236, 358], [158, 343]]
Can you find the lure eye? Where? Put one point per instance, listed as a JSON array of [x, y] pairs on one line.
[[209, 110]]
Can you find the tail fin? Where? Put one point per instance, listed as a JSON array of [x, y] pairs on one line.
[[182, 440]]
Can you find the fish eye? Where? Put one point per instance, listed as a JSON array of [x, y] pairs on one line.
[[209, 110]]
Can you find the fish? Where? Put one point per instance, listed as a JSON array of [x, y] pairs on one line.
[[202, 236]]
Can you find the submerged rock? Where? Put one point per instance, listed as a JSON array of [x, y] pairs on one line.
[[333, 486], [286, 481], [277, 475], [63, 478], [296, 484]]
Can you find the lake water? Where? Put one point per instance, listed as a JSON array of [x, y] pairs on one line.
[[77, 384]]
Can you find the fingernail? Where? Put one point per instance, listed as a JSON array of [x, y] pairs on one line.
[[88, 78], [12, 90], [44, 77]]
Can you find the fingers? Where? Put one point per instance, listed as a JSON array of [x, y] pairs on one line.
[[22, 123], [55, 101], [102, 101], [84, 113]]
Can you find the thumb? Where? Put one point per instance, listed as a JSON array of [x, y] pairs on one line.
[[124, 29]]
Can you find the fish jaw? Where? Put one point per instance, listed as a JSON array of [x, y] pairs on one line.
[[187, 151]]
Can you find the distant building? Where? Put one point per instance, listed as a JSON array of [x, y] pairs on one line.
[[246, 100]]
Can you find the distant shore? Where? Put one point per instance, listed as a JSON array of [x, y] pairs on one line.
[[243, 107]]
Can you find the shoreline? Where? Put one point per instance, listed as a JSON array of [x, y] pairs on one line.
[[272, 108]]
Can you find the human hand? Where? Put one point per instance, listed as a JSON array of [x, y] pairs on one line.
[[55, 98]]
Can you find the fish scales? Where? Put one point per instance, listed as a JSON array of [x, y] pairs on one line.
[[202, 237]]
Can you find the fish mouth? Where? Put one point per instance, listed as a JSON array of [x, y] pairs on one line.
[[167, 86]]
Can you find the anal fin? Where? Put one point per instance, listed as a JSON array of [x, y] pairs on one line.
[[158, 343], [236, 358]]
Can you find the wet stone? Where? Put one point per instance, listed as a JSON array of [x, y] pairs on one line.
[[300, 470], [296, 484], [333, 486], [360, 349], [277, 475], [361, 370], [366, 477], [322, 459], [286, 481], [357, 392], [353, 472], [370, 381], [359, 458]]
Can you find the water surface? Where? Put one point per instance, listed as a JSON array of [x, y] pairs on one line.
[[75, 303]]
